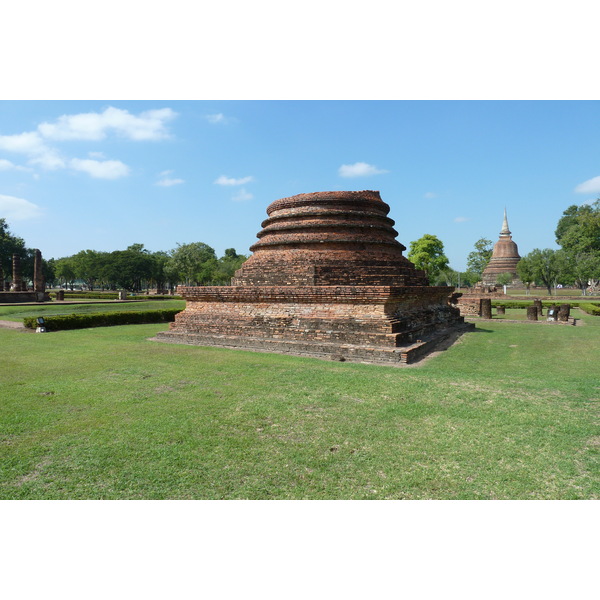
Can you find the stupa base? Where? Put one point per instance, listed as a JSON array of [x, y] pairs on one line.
[[323, 350], [379, 324]]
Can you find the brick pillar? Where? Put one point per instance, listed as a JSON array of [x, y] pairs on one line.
[[538, 305], [501, 310], [38, 274], [532, 313], [485, 308], [17, 284], [564, 312], [60, 295], [554, 315]]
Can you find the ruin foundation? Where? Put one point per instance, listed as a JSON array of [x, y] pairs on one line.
[[327, 278]]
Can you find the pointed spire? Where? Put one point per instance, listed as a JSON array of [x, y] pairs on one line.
[[505, 229]]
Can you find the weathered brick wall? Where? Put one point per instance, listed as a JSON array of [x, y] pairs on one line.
[[380, 315]]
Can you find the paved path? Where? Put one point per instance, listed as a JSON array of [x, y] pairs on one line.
[[14, 325]]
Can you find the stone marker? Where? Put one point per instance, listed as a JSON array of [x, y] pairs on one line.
[[538, 305], [60, 295], [532, 313], [122, 295], [485, 308], [501, 310], [563, 312]]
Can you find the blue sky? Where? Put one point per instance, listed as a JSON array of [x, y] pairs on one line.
[[103, 175]]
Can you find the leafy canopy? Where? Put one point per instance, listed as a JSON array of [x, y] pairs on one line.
[[427, 254]]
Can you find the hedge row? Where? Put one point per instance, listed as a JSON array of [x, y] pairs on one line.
[[75, 321], [90, 295], [525, 303], [590, 308]]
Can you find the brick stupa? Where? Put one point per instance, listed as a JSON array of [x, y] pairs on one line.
[[504, 259], [327, 278]]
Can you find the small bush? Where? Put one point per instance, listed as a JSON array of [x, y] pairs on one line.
[[75, 321]]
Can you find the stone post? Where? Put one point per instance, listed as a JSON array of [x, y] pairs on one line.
[[122, 295], [60, 295], [564, 312], [485, 308], [38, 274], [538, 304], [532, 313], [553, 313], [501, 310], [17, 284]]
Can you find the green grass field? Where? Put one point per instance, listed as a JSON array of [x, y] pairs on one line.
[[509, 412]]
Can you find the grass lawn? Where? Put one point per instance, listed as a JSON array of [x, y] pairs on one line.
[[509, 412]]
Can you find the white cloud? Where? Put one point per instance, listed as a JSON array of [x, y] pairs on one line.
[[223, 180], [242, 196], [217, 118], [148, 125], [18, 209], [6, 165], [591, 186], [107, 169], [359, 169], [32, 145], [461, 219], [167, 182]]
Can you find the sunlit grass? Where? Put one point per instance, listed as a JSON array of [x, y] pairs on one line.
[[510, 411]]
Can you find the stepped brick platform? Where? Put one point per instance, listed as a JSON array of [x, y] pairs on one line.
[[327, 279]]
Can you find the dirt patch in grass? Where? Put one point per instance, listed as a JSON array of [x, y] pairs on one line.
[[33, 475]]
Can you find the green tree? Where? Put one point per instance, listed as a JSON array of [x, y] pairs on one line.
[[548, 266], [504, 278], [427, 254], [584, 268], [129, 269], [64, 270], [193, 262], [578, 230], [525, 272], [227, 265], [9, 245], [88, 266], [478, 259]]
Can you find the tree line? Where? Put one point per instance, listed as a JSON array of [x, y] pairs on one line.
[[133, 269], [136, 268]]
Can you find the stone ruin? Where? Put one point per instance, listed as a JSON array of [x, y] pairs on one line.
[[327, 278], [18, 291]]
